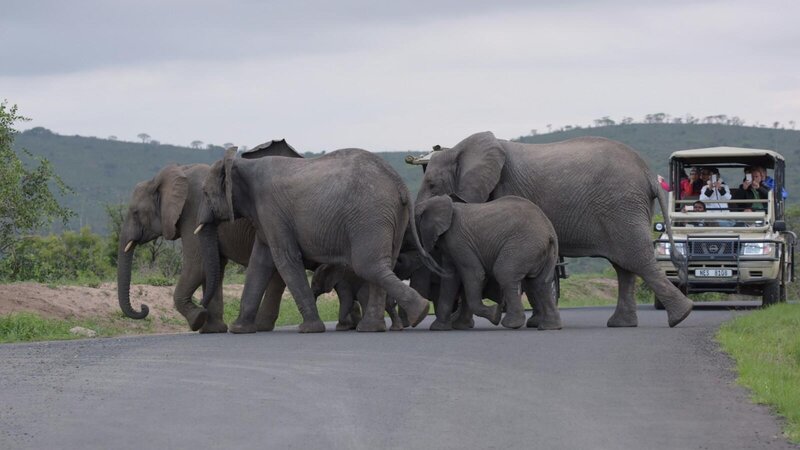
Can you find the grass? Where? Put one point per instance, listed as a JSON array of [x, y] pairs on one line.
[[27, 327], [766, 347]]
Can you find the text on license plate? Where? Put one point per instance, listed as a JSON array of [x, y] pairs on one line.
[[713, 273]]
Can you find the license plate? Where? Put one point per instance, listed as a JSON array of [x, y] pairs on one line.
[[715, 273]]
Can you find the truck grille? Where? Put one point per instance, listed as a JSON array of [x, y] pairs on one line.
[[713, 248]]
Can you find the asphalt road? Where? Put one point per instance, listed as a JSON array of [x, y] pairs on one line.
[[584, 387]]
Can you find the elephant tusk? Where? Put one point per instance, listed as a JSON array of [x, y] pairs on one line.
[[128, 247], [199, 227]]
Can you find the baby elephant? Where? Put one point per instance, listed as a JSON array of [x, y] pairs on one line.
[[509, 239], [352, 291]]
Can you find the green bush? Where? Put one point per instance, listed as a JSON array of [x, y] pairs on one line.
[[69, 256]]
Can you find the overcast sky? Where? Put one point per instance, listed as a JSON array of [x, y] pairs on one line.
[[395, 75]]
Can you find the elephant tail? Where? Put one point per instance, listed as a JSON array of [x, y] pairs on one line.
[[680, 261], [426, 258]]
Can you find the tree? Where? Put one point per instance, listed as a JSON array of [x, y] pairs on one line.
[[196, 144], [112, 138], [26, 201], [791, 124], [227, 145], [144, 137]]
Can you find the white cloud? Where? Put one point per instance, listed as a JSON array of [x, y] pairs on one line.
[[414, 81]]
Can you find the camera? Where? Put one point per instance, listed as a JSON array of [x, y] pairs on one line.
[[749, 177], [713, 179]]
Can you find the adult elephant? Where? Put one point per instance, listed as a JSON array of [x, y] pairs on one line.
[[166, 206], [348, 207], [598, 193]]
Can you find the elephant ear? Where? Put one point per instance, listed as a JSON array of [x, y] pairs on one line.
[[172, 190], [230, 154], [271, 148], [435, 218], [480, 162]]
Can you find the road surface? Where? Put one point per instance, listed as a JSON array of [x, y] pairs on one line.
[[584, 387]]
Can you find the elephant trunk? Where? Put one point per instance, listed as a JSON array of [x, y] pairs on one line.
[[209, 247], [124, 262]]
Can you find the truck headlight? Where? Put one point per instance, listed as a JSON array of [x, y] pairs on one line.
[[756, 248], [663, 248]]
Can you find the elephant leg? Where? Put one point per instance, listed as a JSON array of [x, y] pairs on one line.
[[512, 300], [216, 307], [391, 309], [373, 314], [260, 270], [473, 289], [381, 275], [346, 304], [678, 306], [541, 292], [270, 307], [191, 278], [290, 265], [448, 293], [625, 314], [462, 318]]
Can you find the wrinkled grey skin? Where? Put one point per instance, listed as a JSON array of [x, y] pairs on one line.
[[353, 293], [166, 206], [598, 194], [509, 239], [348, 207]]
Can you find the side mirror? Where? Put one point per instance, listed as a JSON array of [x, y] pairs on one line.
[[779, 225], [659, 226]]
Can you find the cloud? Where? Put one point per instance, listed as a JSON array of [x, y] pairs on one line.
[[397, 77]]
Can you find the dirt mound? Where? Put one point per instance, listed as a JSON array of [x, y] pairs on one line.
[[81, 302]]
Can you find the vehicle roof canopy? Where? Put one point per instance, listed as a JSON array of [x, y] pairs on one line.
[[728, 156]]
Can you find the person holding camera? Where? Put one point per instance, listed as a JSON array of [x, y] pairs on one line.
[[714, 191], [752, 188]]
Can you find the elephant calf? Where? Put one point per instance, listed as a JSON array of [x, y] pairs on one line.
[[509, 239], [351, 289]]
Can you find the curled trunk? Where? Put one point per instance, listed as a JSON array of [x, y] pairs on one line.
[[124, 262], [209, 246]]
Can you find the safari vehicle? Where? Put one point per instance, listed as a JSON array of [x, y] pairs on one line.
[[734, 246]]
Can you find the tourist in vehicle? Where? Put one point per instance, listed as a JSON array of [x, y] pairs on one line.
[[752, 188], [688, 183], [769, 182], [703, 176], [715, 191]]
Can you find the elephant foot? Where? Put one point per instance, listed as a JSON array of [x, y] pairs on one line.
[[495, 314], [265, 326], [676, 315], [311, 326], [550, 324], [242, 328], [368, 325], [396, 326], [439, 325], [345, 326], [622, 320], [513, 320], [417, 311], [464, 324], [197, 318], [533, 322], [214, 327], [403, 317]]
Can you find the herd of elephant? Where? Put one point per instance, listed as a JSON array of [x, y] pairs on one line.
[[490, 220]]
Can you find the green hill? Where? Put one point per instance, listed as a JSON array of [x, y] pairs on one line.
[[104, 171]]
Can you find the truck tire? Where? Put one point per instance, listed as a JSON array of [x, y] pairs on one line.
[[771, 293], [657, 303]]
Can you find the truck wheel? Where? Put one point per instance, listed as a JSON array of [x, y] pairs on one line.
[[771, 293], [657, 303]]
